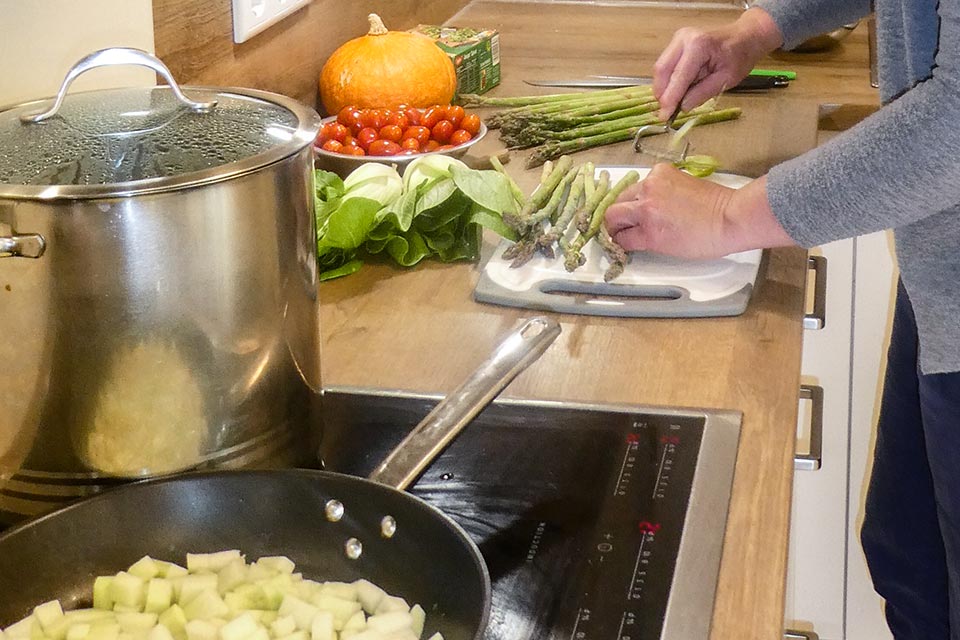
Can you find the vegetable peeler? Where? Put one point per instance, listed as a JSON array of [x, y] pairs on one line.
[[656, 129]]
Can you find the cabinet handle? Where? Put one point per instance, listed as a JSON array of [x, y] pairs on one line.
[[800, 635], [818, 318], [811, 460]]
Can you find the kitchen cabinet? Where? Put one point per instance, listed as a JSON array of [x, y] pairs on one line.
[[828, 587], [815, 574]]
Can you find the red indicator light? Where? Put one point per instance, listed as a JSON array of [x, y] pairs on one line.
[[649, 527]]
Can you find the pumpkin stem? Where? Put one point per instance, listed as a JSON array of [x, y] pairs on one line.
[[376, 25]]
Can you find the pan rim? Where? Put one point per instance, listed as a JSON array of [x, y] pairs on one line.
[[139, 485]]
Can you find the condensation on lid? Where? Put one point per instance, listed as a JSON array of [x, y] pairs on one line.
[[132, 135]]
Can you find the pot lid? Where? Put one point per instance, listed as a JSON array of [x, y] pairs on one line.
[[147, 139]]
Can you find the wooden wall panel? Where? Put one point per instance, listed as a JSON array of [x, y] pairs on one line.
[[195, 39]]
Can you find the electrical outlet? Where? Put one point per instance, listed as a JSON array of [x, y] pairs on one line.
[[250, 17]]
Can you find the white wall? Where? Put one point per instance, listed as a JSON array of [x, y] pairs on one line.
[[41, 39]]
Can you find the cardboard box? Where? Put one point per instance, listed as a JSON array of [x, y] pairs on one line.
[[475, 54]]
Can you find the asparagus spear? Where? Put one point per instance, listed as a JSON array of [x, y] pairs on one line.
[[617, 257], [547, 239], [554, 203], [595, 195], [563, 147], [584, 107], [540, 196], [573, 256], [475, 100]]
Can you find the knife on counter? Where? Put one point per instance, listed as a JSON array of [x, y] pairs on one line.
[[750, 83]]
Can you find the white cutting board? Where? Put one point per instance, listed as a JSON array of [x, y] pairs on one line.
[[651, 285]]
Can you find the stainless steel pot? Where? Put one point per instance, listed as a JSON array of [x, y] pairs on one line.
[[158, 286]]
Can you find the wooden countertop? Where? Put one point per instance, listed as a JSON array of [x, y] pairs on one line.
[[420, 330]]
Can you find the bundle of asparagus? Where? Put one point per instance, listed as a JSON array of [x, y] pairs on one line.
[[566, 210], [564, 123]]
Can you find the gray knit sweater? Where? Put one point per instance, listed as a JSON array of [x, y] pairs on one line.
[[899, 168]]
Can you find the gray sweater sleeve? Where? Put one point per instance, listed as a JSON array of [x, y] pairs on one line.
[[802, 19], [900, 165]]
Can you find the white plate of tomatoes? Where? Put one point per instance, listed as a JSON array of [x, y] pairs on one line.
[[399, 132]]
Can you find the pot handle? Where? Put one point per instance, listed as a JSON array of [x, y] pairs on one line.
[[110, 58], [436, 431]]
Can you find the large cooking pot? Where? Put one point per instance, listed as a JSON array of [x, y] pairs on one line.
[[158, 286], [333, 526]]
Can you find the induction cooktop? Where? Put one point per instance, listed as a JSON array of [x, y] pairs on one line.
[[596, 522]]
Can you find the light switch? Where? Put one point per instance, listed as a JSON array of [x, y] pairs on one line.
[[250, 17]]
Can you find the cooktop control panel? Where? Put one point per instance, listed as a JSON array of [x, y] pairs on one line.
[[596, 522]]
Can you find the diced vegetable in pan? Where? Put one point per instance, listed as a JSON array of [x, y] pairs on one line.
[[219, 596]]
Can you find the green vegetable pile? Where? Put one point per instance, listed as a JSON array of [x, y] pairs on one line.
[[558, 124], [438, 210], [566, 211]]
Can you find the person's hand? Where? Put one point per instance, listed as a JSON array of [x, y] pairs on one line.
[[698, 64], [674, 213]]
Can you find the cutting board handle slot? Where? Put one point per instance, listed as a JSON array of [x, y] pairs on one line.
[[597, 291]]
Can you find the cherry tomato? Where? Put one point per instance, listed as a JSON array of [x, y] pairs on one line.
[[444, 147], [383, 148], [410, 143], [354, 151], [339, 132], [420, 134], [407, 152], [350, 141], [413, 115], [442, 131], [398, 118], [471, 123], [459, 137], [348, 116], [391, 132], [455, 115], [366, 136], [432, 145], [432, 116], [372, 118], [325, 133], [333, 146]]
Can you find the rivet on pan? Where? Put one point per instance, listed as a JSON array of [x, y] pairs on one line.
[[353, 548], [333, 510], [388, 526]]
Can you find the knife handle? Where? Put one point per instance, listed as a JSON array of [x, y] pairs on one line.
[[760, 83]]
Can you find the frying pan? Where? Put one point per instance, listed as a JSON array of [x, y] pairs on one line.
[[429, 560]]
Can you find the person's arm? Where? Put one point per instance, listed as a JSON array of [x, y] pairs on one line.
[[674, 213], [698, 64], [900, 165], [798, 20]]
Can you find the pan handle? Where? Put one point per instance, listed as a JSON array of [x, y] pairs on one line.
[[436, 431]]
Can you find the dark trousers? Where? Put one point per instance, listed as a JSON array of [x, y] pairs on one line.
[[911, 528]]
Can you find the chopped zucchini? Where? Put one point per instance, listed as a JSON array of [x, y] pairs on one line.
[[145, 568], [211, 561]]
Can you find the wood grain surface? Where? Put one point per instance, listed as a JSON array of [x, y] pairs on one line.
[[419, 329]]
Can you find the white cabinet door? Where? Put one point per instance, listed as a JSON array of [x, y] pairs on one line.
[[816, 575], [875, 279]]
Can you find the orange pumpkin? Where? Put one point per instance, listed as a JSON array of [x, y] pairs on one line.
[[387, 68]]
